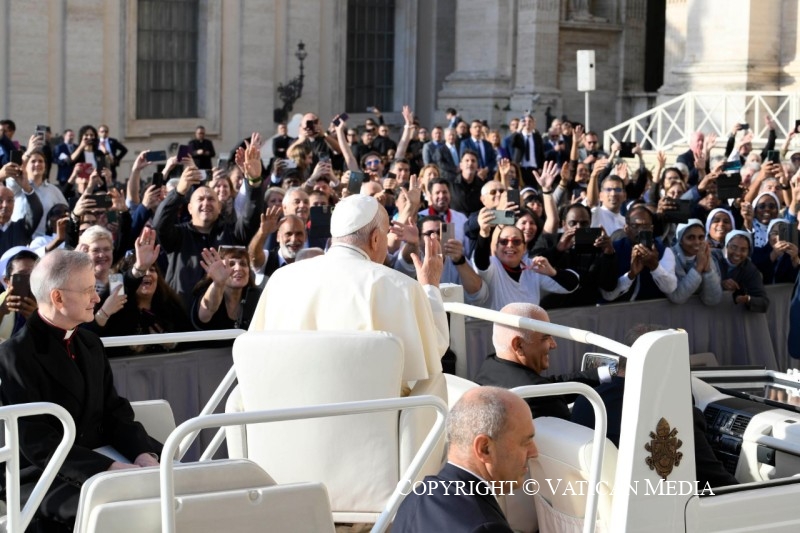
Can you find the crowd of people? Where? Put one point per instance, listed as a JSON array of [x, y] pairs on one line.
[[543, 217]]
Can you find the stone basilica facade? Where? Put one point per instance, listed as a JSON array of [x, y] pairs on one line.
[[69, 62]]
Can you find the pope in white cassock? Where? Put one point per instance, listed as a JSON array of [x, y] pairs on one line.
[[349, 288]]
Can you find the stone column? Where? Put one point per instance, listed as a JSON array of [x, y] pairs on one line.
[[674, 48], [484, 51], [536, 61], [730, 49]]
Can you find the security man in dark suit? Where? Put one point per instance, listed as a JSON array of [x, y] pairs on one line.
[[489, 434]]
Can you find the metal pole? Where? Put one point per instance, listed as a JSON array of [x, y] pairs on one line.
[[586, 110]]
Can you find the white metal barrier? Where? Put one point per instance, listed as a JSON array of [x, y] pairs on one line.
[[18, 520], [674, 121], [600, 425], [169, 338], [175, 440]]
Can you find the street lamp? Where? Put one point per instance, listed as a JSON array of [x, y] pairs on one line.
[[293, 90]]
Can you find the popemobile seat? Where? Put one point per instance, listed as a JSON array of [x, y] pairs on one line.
[[225, 495], [359, 458], [565, 457]]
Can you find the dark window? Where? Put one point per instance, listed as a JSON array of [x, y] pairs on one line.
[[166, 59], [370, 54]]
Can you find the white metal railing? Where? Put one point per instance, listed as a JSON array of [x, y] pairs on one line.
[[564, 332], [672, 122], [18, 519], [169, 338], [195, 425], [600, 425]]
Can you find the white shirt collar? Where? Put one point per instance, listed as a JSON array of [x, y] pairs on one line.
[[345, 246]]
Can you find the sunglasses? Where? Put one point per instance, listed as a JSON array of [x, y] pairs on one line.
[[513, 242], [612, 189], [495, 192], [372, 163]]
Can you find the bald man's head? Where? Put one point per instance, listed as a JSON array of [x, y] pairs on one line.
[[523, 346], [490, 432]]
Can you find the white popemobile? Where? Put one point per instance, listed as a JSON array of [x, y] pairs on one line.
[[647, 484]]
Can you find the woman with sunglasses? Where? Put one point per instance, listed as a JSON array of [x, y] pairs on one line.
[[508, 273]]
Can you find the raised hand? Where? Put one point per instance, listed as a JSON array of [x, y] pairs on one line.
[[270, 219], [146, 249], [541, 265], [429, 270], [547, 176], [216, 268]]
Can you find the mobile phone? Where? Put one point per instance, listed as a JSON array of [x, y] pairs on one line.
[[503, 217], [158, 155], [21, 283], [114, 281], [102, 201], [391, 175], [158, 179], [797, 126], [290, 163], [512, 196], [585, 239], [788, 233], [111, 216], [729, 187], [310, 125], [184, 152], [744, 126], [356, 179], [446, 232], [41, 130], [732, 166], [681, 214], [203, 175], [626, 149], [100, 163], [645, 238], [16, 157], [338, 120], [324, 158], [774, 156], [320, 218], [85, 170], [222, 162]]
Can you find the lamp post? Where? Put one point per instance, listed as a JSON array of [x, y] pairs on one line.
[[293, 89]]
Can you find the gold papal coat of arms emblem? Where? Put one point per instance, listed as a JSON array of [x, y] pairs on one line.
[[663, 448]]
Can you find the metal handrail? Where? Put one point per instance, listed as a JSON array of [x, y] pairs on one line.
[[673, 121], [600, 425], [169, 338], [193, 425], [18, 520], [564, 332]]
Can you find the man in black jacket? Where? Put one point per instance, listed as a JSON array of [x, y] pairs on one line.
[[184, 242], [52, 360], [521, 358]]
